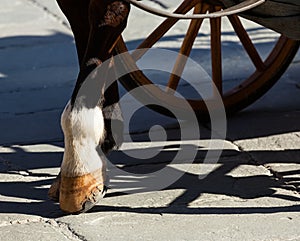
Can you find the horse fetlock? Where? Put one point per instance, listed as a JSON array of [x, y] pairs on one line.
[[83, 131], [81, 124]]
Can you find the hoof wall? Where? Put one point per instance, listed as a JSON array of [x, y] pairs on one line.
[[80, 194]]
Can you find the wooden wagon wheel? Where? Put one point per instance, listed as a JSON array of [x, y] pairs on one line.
[[265, 73]]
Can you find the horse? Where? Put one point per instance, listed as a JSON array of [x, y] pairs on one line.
[[81, 183]]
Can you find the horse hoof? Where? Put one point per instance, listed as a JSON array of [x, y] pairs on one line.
[[80, 194], [53, 192]]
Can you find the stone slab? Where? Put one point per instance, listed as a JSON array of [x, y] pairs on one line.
[[36, 230]]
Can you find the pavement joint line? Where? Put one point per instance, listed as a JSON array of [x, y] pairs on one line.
[[66, 230], [58, 226], [20, 222], [275, 174], [50, 13], [252, 159]]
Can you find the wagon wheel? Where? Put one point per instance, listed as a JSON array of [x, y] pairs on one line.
[[266, 70]]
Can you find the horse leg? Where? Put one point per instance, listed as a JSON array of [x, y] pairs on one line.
[[82, 171], [78, 13], [103, 34]]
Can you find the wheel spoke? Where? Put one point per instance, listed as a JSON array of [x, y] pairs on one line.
[[246, 42], [186, 48], [164, 27], [216, 54]]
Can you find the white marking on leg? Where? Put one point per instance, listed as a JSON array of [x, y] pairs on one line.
[[83, 131]]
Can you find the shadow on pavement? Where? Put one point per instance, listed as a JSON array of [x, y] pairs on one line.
[[219, 181]]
